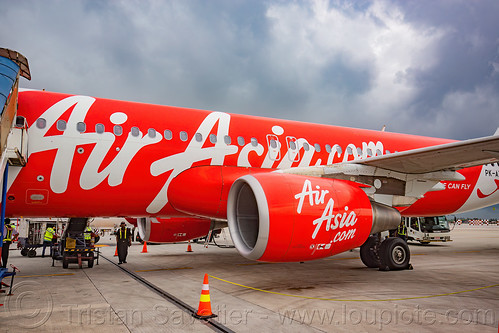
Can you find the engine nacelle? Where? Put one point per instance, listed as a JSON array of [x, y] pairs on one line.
[[279, 217], [159, 230]]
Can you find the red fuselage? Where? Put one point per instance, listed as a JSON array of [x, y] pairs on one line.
[[98, 157]]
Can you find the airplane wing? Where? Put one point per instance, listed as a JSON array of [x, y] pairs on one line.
[[399, 179], [451, 156]]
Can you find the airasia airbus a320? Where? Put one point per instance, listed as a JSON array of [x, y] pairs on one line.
[[289, 191]]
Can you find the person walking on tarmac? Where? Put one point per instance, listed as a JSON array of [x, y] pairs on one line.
[[9, 234], [402, 231], [123, 241], [47, 240]]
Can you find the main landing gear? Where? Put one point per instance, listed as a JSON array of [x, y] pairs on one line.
[[390, 254]]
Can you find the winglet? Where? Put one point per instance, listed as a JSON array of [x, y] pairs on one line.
[[497, 131]]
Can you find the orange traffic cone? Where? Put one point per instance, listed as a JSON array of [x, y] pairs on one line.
[[189, 247], [116, 251], [204, 309], [144, 248]]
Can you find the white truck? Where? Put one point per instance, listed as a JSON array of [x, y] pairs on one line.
[[427, 229]]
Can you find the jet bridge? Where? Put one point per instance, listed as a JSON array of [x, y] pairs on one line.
[[13, 129]]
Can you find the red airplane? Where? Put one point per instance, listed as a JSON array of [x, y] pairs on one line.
[[289, 191]]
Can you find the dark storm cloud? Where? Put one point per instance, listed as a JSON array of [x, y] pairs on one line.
[[420, 67], [463, 87]]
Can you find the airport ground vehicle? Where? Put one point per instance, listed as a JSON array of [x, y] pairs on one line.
[[73, 247], [427, 229]]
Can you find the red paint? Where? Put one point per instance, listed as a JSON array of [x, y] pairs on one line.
[[175, 229]]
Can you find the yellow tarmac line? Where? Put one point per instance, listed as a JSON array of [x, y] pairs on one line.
[[342, 258], [354, 300], [61, 274], [101, 245], [162, 269]]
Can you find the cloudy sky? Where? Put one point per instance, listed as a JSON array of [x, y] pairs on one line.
[[422, 67]]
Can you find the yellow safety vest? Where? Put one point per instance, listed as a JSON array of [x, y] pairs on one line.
[[121, 236], [8, 236], [88, 233], [49, 234], [402, 230]]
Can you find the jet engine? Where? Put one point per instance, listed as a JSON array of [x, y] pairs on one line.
[[279, 217], [164, 230]]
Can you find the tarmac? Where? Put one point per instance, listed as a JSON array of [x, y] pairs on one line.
[[453, 286]]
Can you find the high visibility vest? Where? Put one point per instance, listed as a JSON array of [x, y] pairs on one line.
[[49, 234], [121, 235], [88, 233], [8, 236], [402, 230]]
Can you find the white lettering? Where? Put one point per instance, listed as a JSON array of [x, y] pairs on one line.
[[95, 147], [316, 197]]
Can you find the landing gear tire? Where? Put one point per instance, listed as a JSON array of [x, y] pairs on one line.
[[394, 254], [369, 252], [32, 253], [24, 252]]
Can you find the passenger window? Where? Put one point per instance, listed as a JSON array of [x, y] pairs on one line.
[[213, 138], [369, 152], [379, 152], [198, 137], [227, 140], [306, 146], [317, 147], [292, 145], [387, 151], [328, 148], [117, 130], [240, 140], [339, 150], [99, 128], [349, 150], [81, 127], [359, 151], [41, 123], [254, 142], [273, 143], [151, 132], [61, 125], [135, 131], [184, 136], [168, 135]]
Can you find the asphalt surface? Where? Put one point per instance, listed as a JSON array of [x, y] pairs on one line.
[[453, 286]]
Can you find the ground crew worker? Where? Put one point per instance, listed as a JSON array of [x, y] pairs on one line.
[[9, 234], [402, 231], [415, 224], [88, 234], [123, 241], [47, 240]]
